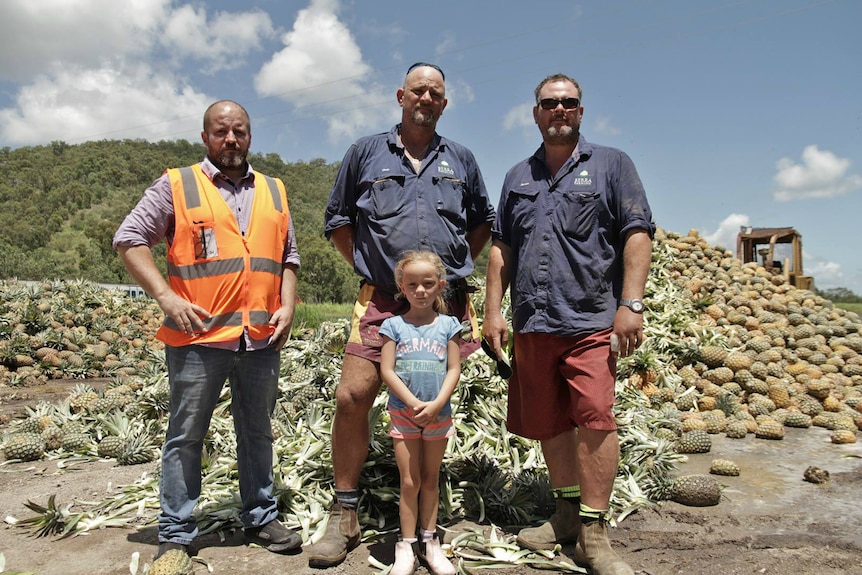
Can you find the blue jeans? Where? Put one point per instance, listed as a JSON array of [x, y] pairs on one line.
[[197, 374]]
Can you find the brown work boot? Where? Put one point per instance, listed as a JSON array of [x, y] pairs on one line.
[[560, 529], [594, 551], [341, 536]]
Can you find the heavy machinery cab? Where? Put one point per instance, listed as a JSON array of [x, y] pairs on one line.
[[779, 250]]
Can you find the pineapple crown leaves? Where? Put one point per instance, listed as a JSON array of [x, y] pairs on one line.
[[49, 519]]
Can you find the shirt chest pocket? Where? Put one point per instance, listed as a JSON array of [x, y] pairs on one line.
[[578, 213], [450, 198], [387, 196], [524, 203]]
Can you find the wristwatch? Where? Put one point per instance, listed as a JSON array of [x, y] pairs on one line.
[[635, 305]]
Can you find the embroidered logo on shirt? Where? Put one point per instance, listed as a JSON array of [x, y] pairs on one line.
[[582, 179], [444, 168]]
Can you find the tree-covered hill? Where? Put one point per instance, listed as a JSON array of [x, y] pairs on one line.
[[61, 204]]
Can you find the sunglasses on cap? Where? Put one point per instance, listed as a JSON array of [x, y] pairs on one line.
[[552, 103], [421, 64]]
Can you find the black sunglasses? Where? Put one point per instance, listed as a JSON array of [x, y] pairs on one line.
[[552, 103], [421, 64]]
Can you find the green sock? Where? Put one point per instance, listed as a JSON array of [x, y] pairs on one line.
[[572, 493], [590, 515]]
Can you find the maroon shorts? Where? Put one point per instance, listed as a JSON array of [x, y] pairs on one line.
[[374, 305], [562, 383]]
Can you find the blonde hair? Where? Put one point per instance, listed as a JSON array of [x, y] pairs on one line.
[[427, 257]]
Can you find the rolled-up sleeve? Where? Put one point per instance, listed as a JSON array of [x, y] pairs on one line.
[[291, 252], [151, 220]]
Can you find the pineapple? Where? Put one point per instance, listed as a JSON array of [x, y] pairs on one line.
[[724, 467], [736, 430], [797, 419], [843, 436], [75, 438], [53, 437], [815, 475], [694, 441], [713, 355], [137, 448], [779, 394], [110, 446], [696, 490], [26, 446], [769, 429], [737, 360], [693, 422], [173, 562], [715, 421]]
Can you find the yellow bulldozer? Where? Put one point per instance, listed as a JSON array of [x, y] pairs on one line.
[[779, 250]]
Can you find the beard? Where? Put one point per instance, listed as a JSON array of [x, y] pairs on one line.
[[562, 134], [423, 118], [229, 160]]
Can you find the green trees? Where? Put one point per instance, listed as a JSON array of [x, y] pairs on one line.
[[60, 205]]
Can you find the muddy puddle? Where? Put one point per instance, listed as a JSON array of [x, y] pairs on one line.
[[771, 478]]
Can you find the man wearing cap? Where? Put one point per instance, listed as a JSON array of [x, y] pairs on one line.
[[405, 189]]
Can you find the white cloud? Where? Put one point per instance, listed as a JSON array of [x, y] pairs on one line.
[[458, 93], [75, 104], [728, 230], [604, 126], [321, 71], [88, 32], [821, 174], [827, 274], [446, 45], [84, 66], [223, 41], [518, 118]]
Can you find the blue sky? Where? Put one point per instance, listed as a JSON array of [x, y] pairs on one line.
[[735, 112]]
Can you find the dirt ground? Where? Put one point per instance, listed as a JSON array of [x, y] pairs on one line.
[[769, 521]]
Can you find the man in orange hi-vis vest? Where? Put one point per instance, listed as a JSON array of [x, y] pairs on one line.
[[228, 302]]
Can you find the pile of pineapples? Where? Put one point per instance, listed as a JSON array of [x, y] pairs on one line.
[[731, 349], [73, 330]]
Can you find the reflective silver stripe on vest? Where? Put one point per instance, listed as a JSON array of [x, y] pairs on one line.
[[266, 265], [227, 319], [221, 267], [256, 317], [190, 188], [273, 191], [206, 269]]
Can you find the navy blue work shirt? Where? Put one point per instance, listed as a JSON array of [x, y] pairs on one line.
[[393, 209], [566, 233]]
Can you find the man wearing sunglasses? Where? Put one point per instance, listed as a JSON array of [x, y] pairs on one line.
[[405, 189], [572, 242]]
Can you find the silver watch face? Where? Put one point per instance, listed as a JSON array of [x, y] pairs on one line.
[[635, 305]]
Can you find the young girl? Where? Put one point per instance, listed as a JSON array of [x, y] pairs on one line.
[[420, 363]]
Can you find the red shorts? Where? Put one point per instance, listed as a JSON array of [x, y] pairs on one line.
[[403, 426], [375, 305], [566, 382]]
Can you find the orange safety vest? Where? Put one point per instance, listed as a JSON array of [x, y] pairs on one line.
[[237, 279]]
